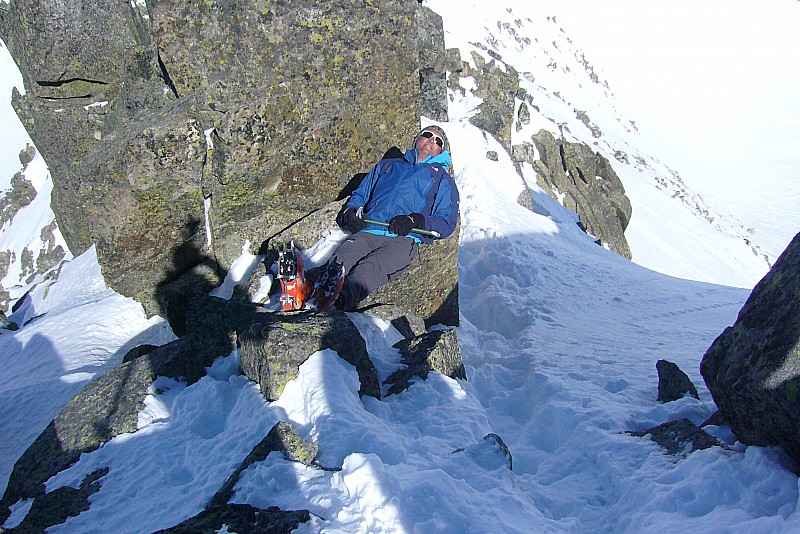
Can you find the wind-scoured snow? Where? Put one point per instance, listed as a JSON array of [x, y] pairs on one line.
[[559, 337]]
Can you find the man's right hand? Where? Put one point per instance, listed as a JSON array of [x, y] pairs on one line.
[[349, 220]]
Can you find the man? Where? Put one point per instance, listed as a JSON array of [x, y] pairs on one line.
[[411, 193]]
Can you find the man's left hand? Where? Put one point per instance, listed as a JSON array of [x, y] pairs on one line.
[[402, 224]]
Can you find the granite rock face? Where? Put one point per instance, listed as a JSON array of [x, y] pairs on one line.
[[176, 131], [573, 173], [589, 184], [753, 368], [437, 351]]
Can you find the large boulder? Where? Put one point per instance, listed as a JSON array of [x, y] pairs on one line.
[[573, 173], [753, 368], [107, 407], [275, 345], [588, 184], [176, 131], [433, 351]]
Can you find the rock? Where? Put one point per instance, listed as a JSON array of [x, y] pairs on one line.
[[273, 347], [526, 200], [753, 368], [56, 507], [433, 351], [497, 86], [107, 407], [490, 453], [432, 72], [589, 185], [283, 438], [680, 438], [138, 352], [162, 120], [673, 383], [242, 519]]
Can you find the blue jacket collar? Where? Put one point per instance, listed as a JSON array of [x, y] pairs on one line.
[[442, 159]]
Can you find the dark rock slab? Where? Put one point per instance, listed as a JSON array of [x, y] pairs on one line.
[[283, 438], [274, 346], [680, 438], [242, 519], [433, 351], [56, 507], [753, 368], [673, 383]]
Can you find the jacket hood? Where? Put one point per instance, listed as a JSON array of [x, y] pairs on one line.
[[442, 159]]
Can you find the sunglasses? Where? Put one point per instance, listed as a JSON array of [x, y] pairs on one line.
[[436, 139]]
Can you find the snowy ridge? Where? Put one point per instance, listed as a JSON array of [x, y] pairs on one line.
[[574, 103]]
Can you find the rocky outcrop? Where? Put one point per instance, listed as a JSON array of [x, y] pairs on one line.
[[433, 351], [497, 86], [753, 368], [20, 194], [176, 131], [272, 349], [588, 183], [242, 519], [274, 346], [673, 383], [680, 438], [283, 438], [573, 173]]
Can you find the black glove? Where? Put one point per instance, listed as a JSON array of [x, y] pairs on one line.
[[402, 224], [349, 220]]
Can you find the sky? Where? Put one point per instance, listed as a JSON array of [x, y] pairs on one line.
[[559, 338]]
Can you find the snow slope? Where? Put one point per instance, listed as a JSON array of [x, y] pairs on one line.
[[559, 337]]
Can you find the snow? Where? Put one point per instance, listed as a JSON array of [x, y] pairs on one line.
[[559, 338]]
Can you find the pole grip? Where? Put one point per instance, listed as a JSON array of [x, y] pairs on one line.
[[428, 233]]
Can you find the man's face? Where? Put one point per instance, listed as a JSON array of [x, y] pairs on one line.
[[428, 146]]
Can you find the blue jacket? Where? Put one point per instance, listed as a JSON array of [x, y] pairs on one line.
[[403, 186]]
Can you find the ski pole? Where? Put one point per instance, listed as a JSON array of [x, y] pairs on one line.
[[429, 233]]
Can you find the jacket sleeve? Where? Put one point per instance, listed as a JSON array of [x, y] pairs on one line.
[[360, 197], [444, 213]]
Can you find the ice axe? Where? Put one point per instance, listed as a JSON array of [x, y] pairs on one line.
[[428, 233]]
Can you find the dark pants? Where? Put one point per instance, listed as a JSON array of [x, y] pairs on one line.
[[371, 261]]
